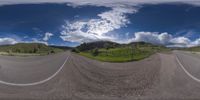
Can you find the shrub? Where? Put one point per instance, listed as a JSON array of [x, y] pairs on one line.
[[35, 50], [18, 50], [95, 52], [75, 50], [52, 51], [9, 51]]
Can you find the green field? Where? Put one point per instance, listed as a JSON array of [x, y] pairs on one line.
[[123, 53]]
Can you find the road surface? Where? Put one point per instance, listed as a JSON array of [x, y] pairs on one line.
[[190, 62], [25, 70], [159, 77]]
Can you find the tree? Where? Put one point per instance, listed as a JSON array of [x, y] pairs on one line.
[[107, 47], [75, 50], [30, 51], [10, 51], [95, 52], [83, 47], [39, 46], [35, 50], [18, 50], [52, 51], [133, 50]]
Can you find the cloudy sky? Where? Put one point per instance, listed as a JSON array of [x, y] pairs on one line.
[[69, 23]]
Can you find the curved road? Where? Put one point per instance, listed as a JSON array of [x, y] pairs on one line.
[[22, 71], [190, 63], [159, 77]]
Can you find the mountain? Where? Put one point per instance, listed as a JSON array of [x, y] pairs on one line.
[[108, 44], [114, 52], [97, 44], [61, 47]]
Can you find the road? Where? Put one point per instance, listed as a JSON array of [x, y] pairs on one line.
[[25, 70], [159, 77], [190, 63], [175, 83]]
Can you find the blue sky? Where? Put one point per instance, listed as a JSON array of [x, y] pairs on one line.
[[71, 23]]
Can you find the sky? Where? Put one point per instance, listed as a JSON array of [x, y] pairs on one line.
[[173, 23]]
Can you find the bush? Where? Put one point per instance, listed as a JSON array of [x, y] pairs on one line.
[[18, 50], [52, 51], [95, 52], [9, 51], [107, 46], [35, 50], [75, 50]]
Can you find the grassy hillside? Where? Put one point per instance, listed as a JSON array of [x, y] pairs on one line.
[[29, 48], [98, 44], [113, 52], [194, 49], [61, 47]]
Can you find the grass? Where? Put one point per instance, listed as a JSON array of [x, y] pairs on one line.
[[193, 49], [123, 54], [28, 49], [19, 54]]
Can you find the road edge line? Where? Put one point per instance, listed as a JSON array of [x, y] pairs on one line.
[[39, 82], [190, 75]]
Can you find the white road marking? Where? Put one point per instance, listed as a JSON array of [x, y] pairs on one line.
[[190, 75], [39, 82]]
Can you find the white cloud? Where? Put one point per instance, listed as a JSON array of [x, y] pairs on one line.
[[10, 41], [153, 37], [164, 39], [96, 29], [181, 41], [47, 36], [196, 42], [5, 41], [99, 2], [34, 40]]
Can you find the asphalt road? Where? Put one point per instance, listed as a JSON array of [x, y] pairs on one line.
[[159, 77], [24, 70], [190, 62]]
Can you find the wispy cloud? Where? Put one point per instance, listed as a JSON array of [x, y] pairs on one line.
[[47, 36], [96, 29]]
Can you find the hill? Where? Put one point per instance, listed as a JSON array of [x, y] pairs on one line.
[[194, 49], [29, 48], [114, 52], [97, 44], [61, 47]]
